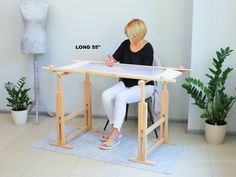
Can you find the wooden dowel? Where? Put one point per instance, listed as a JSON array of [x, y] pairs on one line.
[[75, 134], [74, 114], [155, 125], [155, 146]]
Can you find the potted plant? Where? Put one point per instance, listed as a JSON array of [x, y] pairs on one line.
[[212, 99], [18, 100]]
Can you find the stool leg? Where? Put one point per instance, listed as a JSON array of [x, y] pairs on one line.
[[106, 125], [151, 117], [126, 114]]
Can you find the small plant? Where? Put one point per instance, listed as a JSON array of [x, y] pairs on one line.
[[18, 95], [212, 98]]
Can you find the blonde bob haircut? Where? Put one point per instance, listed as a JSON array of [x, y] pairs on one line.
[[136, 29]]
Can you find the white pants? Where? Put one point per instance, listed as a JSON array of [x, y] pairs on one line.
[[115, 98]]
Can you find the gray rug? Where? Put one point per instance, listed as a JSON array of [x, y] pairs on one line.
[[87, 145]]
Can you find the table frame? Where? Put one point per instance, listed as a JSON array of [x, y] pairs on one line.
[[143, 130]]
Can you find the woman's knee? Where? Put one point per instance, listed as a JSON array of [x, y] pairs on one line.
[[121, 97], [106, 96]]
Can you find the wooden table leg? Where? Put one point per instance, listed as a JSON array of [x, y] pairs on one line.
[[165, 113], [86, 100], [60, 116], [88, 111], [162, 113], [142, 127]]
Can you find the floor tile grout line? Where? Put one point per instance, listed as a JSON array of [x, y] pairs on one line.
[[49, 173], [12, 170], [17, 137], [70, 173], [33, 161], [210, 161], [118, 173]]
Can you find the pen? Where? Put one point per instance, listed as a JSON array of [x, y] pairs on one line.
[[110, 60], [109, 57]]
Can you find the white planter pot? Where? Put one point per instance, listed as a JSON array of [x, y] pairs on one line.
[[215, 134], [19, 117]]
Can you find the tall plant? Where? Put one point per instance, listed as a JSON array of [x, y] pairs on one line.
[[212, 98], [18, 98]]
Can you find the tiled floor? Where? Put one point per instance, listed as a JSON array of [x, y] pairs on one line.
[[19, 159]]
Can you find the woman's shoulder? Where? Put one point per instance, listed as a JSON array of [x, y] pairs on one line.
[[148, 46], [125, 42]]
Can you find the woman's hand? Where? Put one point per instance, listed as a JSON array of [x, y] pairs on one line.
[[110, 61]]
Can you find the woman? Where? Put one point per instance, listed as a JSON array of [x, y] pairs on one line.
[[135, 50]]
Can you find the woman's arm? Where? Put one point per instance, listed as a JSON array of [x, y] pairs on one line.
[[118, 55]]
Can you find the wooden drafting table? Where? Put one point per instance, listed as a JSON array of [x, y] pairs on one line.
[[143, 73]]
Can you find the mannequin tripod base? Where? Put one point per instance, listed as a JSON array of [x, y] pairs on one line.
[[38, 103]]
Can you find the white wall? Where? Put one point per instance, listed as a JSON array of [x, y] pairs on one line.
[[214, 27], [100, 22]]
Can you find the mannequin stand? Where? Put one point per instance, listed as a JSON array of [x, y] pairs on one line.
[[37, 103]]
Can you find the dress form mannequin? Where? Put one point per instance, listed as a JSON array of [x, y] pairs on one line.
[[34, 41]]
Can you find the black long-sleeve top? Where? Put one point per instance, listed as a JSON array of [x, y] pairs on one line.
[[142, 57]]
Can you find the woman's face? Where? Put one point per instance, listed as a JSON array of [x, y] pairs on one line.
[[134, 41]]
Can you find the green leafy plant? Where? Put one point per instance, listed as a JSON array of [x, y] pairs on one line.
[[212, 98], [18, 95]]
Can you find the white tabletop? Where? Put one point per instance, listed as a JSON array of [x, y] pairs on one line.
[[120, 70]]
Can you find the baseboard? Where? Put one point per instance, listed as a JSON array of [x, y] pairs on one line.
[[3, 111], [199, 131]]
